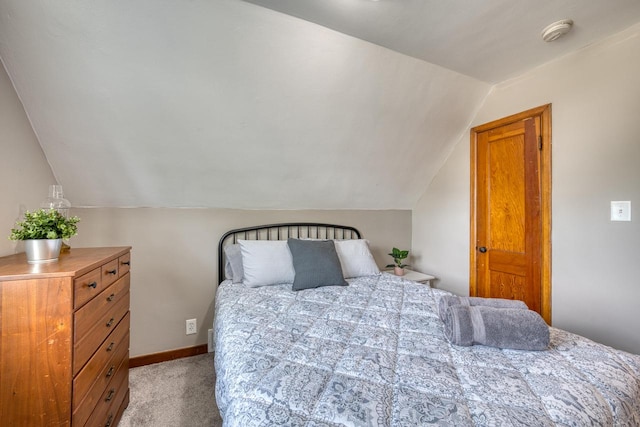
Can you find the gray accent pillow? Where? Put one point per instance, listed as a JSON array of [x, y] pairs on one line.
[[233, 266], [316, 264]]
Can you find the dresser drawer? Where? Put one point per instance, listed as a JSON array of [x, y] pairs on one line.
[[107, 379], [94, 372], [124, 264], [106, 409], [110, 272], [86, 317], [92, 326], [86, 287]]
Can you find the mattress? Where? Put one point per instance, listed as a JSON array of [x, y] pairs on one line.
[[374, 354]]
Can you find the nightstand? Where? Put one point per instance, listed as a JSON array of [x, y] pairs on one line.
[[416, 276]]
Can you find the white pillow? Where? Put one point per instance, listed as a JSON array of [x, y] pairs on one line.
[[356, 258], [266, 262]]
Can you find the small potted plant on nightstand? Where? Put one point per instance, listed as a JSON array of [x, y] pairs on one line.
[[42, 232], [398, 256]]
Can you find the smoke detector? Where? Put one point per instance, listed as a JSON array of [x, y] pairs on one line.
[[556, 30]]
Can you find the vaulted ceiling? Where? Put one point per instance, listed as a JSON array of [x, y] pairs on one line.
[[490, 40], [333, 104]]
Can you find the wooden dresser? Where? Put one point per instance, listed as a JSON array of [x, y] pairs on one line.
[[64, 349]]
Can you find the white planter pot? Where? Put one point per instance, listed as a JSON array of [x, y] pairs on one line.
[[398, 271], [42, 250]]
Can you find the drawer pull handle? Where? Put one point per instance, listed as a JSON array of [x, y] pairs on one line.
[[110, 371], [110, 347], [114, 272], [108, 424], [110, 395], [92, 285], [126, 262], [111, 297], [110, 322]]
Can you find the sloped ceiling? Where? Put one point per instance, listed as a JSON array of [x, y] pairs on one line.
[[226, 104], [490, 40]]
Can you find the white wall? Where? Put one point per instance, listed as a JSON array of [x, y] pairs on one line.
[[25, 175], [595, 96], [174, 259]]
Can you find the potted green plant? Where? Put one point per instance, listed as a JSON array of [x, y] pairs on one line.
[[398, 256], [42, 232]]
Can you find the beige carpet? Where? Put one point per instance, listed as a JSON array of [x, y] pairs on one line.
[[178, 393]]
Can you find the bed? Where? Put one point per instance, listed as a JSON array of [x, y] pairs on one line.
[[373, 353]]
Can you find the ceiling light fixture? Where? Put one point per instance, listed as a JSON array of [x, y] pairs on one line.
[[556, 30]]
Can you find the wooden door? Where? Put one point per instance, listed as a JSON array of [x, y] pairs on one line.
[[510, 232]]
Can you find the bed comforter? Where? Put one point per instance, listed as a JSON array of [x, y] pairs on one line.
[[374, 354]]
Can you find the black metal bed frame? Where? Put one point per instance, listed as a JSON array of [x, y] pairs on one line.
[[281, 232]]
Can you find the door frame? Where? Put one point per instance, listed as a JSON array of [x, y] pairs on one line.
[[544, 115]]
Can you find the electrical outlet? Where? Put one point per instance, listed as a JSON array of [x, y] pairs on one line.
[[192, 326]]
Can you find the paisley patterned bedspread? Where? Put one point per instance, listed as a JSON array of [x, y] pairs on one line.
[[373, 354]]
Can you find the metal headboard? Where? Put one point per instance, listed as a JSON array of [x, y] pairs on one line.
[[282, 232]]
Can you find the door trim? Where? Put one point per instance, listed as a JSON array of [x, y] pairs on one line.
[[543, 113]]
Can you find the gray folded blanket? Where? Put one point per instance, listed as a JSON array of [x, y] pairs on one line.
[[449, 300], [496, 327]]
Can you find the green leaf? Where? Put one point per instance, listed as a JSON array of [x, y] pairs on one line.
[[398, 255], [45, 224]]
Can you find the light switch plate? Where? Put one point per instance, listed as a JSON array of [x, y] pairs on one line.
[[621, 211]]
